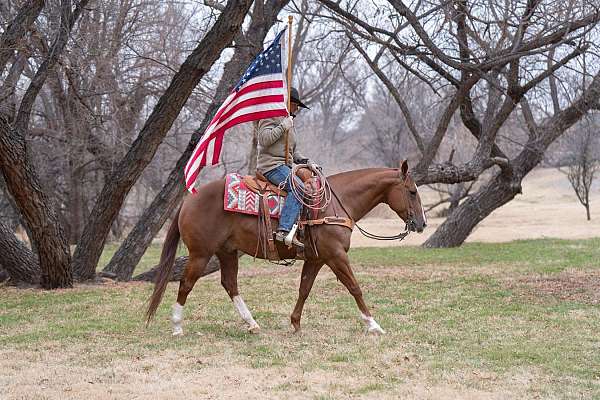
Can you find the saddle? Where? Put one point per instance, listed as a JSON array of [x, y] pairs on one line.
[[308, 217], [259, 184]]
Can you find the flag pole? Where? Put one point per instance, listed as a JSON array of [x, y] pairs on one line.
[[289, 83]]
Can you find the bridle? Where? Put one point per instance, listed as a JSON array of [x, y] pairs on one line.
[[399, 236]]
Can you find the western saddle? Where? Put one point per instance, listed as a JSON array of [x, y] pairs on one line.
[[308, 217]]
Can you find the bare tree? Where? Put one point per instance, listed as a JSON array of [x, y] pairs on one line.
[[583, 164], [15, 162], [20, 174], [486, 60]]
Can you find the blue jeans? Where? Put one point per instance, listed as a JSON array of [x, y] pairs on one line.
[[292, 206]]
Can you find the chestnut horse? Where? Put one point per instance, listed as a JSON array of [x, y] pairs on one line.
[[208, 230]]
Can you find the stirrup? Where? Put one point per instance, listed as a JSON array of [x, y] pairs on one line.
[[288, 238]]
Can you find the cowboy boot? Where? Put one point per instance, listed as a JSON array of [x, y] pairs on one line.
[[281, 235]]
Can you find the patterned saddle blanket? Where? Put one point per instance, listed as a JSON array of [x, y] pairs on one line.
[[239, 198]]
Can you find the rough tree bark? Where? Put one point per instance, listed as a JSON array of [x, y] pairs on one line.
[[21, 178], [17, 28], [152, 134], [124, 261], [17, 260], [506, 184]]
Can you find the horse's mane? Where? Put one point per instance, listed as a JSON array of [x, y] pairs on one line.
[[356, 174]]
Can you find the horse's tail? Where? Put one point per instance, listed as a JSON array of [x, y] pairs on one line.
[[165, 267]]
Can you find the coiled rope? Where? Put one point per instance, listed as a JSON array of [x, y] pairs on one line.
[[318, 199]]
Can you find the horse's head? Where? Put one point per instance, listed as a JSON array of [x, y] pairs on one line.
[[403, 198]]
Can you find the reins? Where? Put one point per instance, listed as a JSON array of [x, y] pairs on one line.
[[366, 233]]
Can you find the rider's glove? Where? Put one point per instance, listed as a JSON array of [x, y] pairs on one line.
[[314, 166]]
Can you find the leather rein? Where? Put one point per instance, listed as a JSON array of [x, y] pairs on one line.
[[368, 234]]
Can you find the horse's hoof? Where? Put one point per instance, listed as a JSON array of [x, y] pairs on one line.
[[375, 330], [178, 331], [254, 329]]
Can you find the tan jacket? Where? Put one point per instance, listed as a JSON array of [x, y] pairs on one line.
[[271, 145]]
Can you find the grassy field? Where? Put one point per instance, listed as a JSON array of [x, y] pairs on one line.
[[514, 320]]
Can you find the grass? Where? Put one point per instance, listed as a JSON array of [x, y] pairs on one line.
[[517, 320]]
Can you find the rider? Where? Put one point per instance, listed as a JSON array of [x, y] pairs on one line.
[[272, 162]]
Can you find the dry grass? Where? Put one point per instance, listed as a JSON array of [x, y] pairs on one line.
[[483, 321]]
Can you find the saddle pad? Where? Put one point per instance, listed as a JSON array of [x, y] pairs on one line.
[[238, 198]]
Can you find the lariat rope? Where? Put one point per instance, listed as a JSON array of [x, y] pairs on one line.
[[316, 200]]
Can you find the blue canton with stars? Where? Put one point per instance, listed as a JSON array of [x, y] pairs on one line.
[[266, 63]]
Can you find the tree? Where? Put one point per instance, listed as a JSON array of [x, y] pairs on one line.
[[485, 60], [15, 161], [583, 164], [37, 208], [248, 45]]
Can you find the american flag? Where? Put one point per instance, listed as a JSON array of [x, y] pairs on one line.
[[259, 94]]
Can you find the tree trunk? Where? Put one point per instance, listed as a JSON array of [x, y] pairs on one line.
[[35, 206], [151, 136], [21, 179], [17, 260], [180, 262], [124, 261], [460, 223], [18, 27], [587, 210]]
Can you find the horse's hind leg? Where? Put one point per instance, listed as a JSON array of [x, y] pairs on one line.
[[193, 270], [340, 266], [310, 269], [229, 274]]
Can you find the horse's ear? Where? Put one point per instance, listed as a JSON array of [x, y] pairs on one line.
[[404, 168]]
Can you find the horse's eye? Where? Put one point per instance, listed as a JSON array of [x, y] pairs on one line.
[[413, 193]]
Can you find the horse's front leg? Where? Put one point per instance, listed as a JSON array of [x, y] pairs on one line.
[[340, 266], [310, 269]]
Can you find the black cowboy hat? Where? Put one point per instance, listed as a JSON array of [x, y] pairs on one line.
[[295, 97]]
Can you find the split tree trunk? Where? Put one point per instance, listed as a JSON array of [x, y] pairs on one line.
[[159, 122], [17, 260], [36, 207], [124, 261]]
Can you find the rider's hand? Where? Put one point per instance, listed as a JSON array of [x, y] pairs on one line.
[[287, 123], [314, 166]]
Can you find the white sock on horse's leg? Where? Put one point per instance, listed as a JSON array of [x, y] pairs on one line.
[[372, 325], [176, 318], [240, 306]]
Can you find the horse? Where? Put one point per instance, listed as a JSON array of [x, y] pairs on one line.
[[207, 230]]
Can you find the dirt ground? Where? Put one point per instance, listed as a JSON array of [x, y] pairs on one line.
[[547, 208]]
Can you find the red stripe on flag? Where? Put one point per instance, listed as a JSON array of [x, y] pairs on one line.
[[243, 91], [254, 101], [260, 86]]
